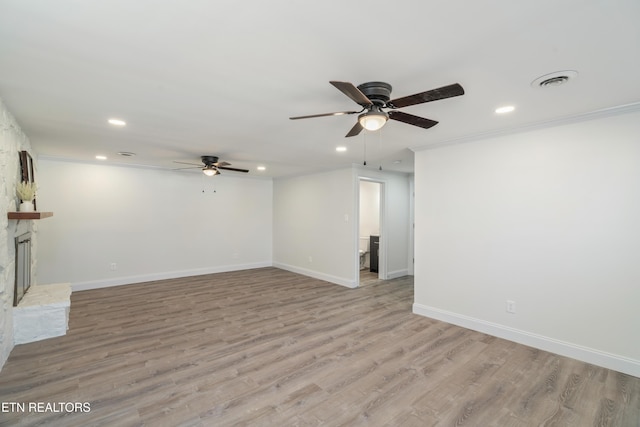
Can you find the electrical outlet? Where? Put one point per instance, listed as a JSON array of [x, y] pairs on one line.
[[511, 307], [113, 266]]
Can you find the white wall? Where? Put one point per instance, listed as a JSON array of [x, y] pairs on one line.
[[152, 223], [12, 141], [309, 221], [547, 218], [314, 225]]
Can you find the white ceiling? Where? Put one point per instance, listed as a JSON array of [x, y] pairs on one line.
[[223, 77]]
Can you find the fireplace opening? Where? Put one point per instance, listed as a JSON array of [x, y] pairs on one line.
[[23, 267]]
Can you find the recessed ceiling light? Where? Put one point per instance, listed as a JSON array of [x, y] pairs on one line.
[[505, 109], [397, 162], [261, 168], [341, 149], [117, 122], [101, 157]]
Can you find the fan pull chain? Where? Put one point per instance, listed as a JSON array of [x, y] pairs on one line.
[[364, 136], [206, 180], [380, 147]]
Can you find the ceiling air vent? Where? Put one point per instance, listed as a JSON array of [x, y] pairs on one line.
[[554, 79]]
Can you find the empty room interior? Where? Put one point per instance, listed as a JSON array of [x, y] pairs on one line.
[[333, 213]]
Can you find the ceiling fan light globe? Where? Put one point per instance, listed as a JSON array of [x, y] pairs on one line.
[[372, 121], [210, 171]]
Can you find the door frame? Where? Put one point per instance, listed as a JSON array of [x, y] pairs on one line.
[[382, 247]]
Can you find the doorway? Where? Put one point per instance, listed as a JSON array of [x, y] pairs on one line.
[[371, 259]]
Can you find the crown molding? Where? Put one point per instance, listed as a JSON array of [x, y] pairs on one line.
[[576, 118]]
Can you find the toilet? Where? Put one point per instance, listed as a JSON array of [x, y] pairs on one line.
[[363, 250]]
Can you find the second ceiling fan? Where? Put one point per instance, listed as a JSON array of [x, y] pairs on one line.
[[374, 97], [210, 166]]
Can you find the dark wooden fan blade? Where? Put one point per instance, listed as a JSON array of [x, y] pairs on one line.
[[428, 96], [352, 92], [340, 113], [192, 164], [355, 130], [233, 169], [411, 119]]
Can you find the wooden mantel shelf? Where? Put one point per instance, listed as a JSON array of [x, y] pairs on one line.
[[29, 215]]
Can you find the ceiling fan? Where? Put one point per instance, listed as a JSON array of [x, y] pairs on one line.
[[374, 97], [211, 166]]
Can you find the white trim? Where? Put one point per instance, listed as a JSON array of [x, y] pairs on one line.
[[398, 273], [355, 230], [383, 258], [382, 235], [585, 354], [317, 275], [308, 172], [129, 280], [115, 163], [412, 226]]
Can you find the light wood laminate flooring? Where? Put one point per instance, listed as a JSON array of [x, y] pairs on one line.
[[267, 347]]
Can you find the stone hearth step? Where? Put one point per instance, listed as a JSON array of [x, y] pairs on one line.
[[42, 313]]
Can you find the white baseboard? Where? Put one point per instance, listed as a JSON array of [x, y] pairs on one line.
[[316, 275], [396, 274], [128, 280], [585, 354]]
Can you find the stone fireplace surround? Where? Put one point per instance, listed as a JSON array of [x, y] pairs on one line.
[[38, 312], [12, 141], [44, 311]]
